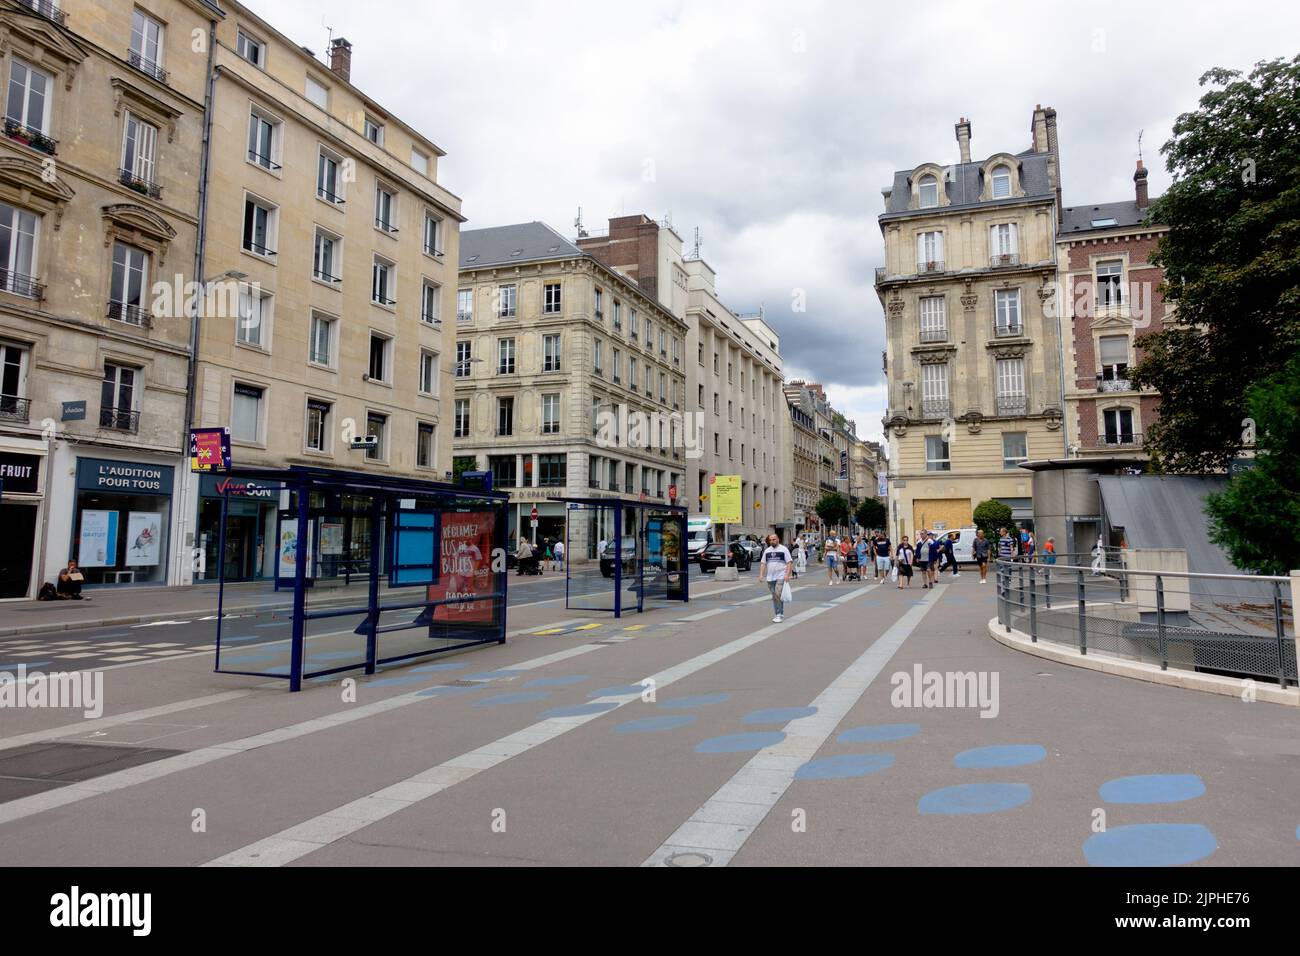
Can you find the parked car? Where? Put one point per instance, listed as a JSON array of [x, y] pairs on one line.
[[753, 547], [628, 561], [711, 558]]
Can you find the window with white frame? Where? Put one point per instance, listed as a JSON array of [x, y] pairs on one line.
[[318, 92], [377, 428], [147, 44], [929, 250], [597, 354], [928, 189], [327, 262], [251, 49], [263, 140], [329, 184], [648, 370], [937, 456], [1001, 182], [246, 412], [663, 388], [374, 131], [419, 162], [618, 366], [1010, 383], [385, 209], [118, 396], [428, 372], [432, 235], [13, 378], [253, 327], [618, 315], [259, 227], [507, 301], [1110, 284], [934, 319], [649, 334], [1015, 449], [505, 415], [318, 425], [464, 356], [430, 309], [1113, 355], [139, 145], [1003, 241], [551, 413], [426, 444], [597, 307], [320, 350], [381, 347], [1118, 424], [551, 352], [505, 356], [464, 305], [30, 95], [934, 388], [129, 282], [551, 299], [383, 282], [18, 248], [1006, 304], [631, 372], [461, 421]]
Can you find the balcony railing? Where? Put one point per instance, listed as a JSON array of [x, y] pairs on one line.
[[329, 196], [385, 226], [1007, 330], [1012, 404], [20, 284], [14, 409], [881, 272], [258, 248], [119, 419], [30, 136], [936, 408], [324, 276], [432, 251], [929, 265], [1114, 385], [264, 161], [929, 336], [464, 316], [147, 67], [141, 185], [1004, 259], [46, 9], [382, 300], [130, 314], [1121, 439]]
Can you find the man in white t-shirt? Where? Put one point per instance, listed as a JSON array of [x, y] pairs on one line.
[[557, 554], [831, 555], [774, 569]]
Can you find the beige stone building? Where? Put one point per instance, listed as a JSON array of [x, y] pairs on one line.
[[568, 379], [802, 452], [973, 359], [99, 186], [334, 250]]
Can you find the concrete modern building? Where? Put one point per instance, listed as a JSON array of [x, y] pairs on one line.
[[334, 250], [568, 378], [1111, 298], [99, 206], [973, 361]]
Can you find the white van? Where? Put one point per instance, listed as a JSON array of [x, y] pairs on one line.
[[963, 547], [699, 534]]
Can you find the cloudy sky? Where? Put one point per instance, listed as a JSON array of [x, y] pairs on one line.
[[773, 126]]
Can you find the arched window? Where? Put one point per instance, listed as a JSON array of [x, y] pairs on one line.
[[1001, 182], [929, 191]]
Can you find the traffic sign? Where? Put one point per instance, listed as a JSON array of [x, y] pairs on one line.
[[533, 515]]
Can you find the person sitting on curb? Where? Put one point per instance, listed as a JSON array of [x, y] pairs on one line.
[[70, 581]]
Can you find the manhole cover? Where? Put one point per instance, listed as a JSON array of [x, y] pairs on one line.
[[688, 859]]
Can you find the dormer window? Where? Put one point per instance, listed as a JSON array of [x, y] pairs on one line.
[[1001, 182], [929, 188]]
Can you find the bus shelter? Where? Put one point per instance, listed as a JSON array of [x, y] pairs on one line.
[[624, 555], [377, 569]]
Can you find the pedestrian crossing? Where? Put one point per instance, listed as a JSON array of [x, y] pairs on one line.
[[19, 650]]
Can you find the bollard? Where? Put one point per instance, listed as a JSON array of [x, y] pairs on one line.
[[1033, 610], [1083, 620], [1047, 586], [1160, 621]]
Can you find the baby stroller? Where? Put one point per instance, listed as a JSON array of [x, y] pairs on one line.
[[852, 570]]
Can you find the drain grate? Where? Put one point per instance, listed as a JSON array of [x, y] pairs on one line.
[[689, 859], [45, 766]]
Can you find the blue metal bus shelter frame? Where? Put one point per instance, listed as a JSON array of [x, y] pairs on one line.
[[388, 497]]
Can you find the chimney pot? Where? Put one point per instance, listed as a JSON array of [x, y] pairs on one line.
[[1140, 186], [963, 138], [341, 59]]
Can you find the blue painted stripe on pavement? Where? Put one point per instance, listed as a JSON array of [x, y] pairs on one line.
[[622, 690], [698, 700], [878, 733], [844, 766], [445, 690], [778, 715], [557, 681], [1153, 788], [526, 697], [975, 798], [740, 743], [1002, 755], [577, 710], [1150, 844], [652, 725]]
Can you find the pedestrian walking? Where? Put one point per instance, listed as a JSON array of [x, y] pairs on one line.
[[949, 554], [557, 552], [906, 555], [864, 554], [884, 549], [831, 553], [923, 548], [980, 550], [801, 558], [774, 569]]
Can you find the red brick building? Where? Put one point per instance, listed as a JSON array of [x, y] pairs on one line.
[[1110, 295]]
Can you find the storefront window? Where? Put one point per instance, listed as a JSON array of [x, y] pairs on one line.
[[122, 521]]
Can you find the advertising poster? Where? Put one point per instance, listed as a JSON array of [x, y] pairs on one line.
[[287, 561], [98, 545], [465, 566], [331, 537], [209, 449], [724, 499], [143, 538]]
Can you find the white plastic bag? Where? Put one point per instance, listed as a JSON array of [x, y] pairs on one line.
[[893, 574], [785, 593]]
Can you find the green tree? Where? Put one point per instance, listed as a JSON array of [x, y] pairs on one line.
[[871, 513], [833, 510], [1255, 517], [1231, 260], [991, 515]]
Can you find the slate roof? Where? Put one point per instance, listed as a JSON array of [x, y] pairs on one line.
[[521, 242], [963, 186], [1077, 219]]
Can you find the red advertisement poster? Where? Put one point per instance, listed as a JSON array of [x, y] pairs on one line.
[[465, 567]]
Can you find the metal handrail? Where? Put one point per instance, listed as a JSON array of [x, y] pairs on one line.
[[1013, 562]]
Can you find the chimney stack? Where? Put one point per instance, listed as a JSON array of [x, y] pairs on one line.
[[963, 138], [341, 59], [1140, 184]]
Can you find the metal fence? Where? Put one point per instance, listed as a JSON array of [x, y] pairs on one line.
[[1230, 625]]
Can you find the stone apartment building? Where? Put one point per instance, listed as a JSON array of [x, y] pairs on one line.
[[99, 206], [973, 359], [333, 250], [803, 443], [1112, 298], [568, 378]]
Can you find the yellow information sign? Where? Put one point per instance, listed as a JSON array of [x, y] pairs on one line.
[[724, 499]]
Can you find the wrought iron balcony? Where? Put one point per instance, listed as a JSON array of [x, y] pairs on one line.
[[141, 185], [1004, 259], [930, 336], [130, 314], [385, 226], [1012, 404], [1120, 439], [264, 161], [30, 136], [14, 409], [20, 284], [147, 67], [1007, 330], [119, 419], [324, 276], [924, 266], [378, 299], [433, 251], [1114, 384], [464, 316], [881, 272], [45, 9], [329, 197], [936, 408]]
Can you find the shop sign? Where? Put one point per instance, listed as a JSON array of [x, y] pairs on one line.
[[215, 486], [209, 449], [123, 477], [20, 473]]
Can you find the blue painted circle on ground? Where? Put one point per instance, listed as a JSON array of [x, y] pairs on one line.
[[1150, 844], [526, 697], [878, 733], [1152, 788], [653, 725], [557, 681], [494, 675], [437, 667], [577, 710], [975, 798], [404, 679], [1002, 755], [739, 743], [698, 700], [844, 766], [778, 715], [622, 690], [445, 690]]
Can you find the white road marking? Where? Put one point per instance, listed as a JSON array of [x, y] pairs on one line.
[[721, 826], [326, 828]]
